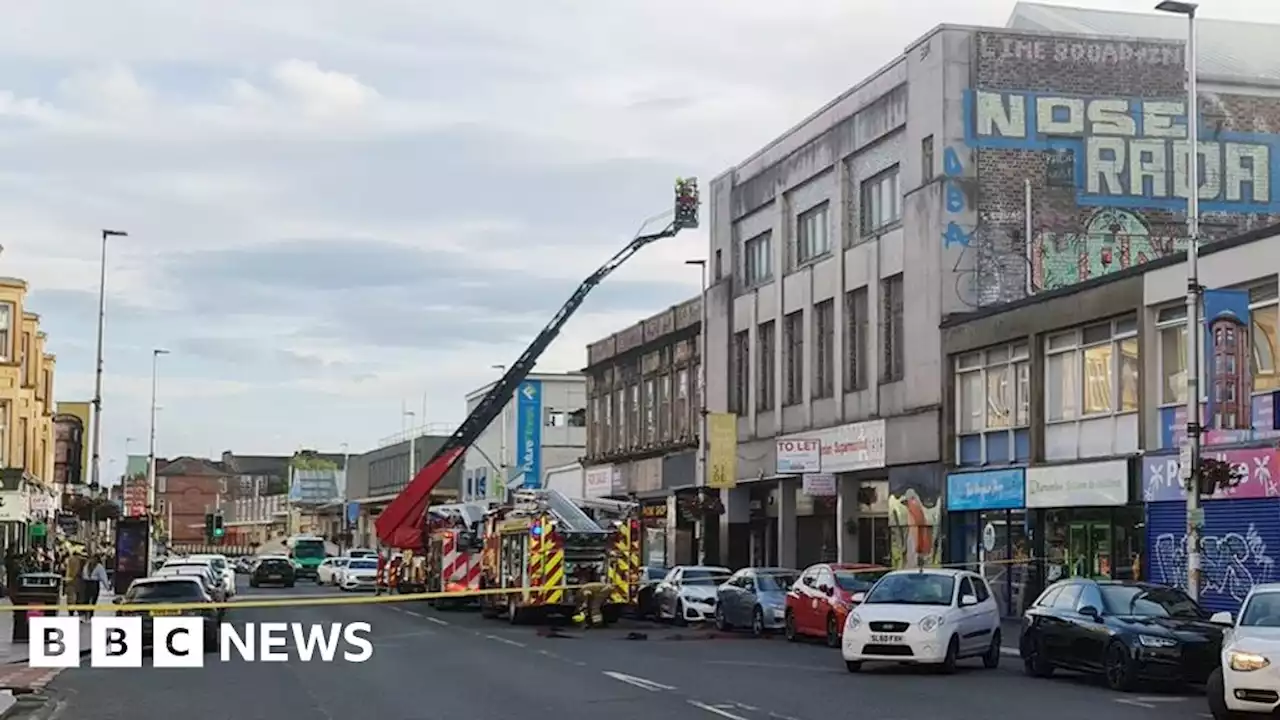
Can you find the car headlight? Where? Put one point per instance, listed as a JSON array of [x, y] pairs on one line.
[[931, 622], [1154, 641], [1246, 661], [854, 622]]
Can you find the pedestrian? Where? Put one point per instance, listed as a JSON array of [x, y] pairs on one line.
[[95, 576], [73, 584]]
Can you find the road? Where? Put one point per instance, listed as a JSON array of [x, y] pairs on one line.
[[436, 665]]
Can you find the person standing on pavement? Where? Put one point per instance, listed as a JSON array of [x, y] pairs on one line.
[[73, 585], [95, 576]]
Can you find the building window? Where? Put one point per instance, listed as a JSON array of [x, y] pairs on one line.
[[24, 359], [793, 336], [718, 266], [682, 403], [605, 422], [594, 432], [824, 360], [741, 371], [637, 432], [664, 408], [246, 484], [891, 329], [926, 159], [757, 259], [697, 389], [650, 410], [1171, 328], [6, 332], [1092, 371], [765, 343], [4, 435], [620, 430], [48, 387], [992, 393], [855, 339], [813, 234], [1265, 315], [881, 201]]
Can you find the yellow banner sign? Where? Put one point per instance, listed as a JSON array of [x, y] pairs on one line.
[[722, 450]]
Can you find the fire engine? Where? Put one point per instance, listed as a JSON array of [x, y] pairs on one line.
[[537, 545], [622, 520], [453, 552]]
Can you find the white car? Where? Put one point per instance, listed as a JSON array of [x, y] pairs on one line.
[[328, 570], [925, 617], [688, 593], [359, 574], [222, 566], [1247, 681]]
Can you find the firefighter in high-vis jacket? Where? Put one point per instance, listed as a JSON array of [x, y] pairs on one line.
[[591, 600]]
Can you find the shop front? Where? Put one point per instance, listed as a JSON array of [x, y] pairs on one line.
[[1240, 527], [988, 530], [1091, 529], [653, 545]]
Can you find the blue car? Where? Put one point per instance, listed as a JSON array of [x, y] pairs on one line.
[[754, 598]]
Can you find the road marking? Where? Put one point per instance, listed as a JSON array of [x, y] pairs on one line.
[[718, 711], [1135, 703], [1010, 652], [435, 620], [415, 614], [748, 708], [639, 682], [505, 641]]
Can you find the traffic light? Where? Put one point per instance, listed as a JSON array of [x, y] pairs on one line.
[[686, 216], [208, 526], [218, 530]]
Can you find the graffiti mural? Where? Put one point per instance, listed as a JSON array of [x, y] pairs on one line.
[[915, 516], [1111, 240], [1232, 562]]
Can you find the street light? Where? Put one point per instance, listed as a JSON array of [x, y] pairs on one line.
[[1190, 456], [95, 468], [413, 470], [151, 447], [501, 485], [702, 407]]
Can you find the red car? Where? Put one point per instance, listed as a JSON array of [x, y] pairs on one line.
[[819, 601]]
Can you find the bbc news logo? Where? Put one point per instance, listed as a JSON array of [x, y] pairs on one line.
[[180, 642]]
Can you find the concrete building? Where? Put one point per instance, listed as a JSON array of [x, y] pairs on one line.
[[28, 488], [643, 422], [543, 426], [1063, 417], [375, 478], [839, 248]]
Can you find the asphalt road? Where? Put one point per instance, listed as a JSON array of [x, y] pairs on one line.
[[435, 665]]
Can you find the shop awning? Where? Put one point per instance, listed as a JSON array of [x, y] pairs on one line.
[[400, 524]]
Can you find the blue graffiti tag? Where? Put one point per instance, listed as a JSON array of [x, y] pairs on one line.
[[955, 201]]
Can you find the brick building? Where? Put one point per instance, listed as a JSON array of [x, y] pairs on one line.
[[186, 489]]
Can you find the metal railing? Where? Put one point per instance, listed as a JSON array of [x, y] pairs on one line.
[[438, 429]]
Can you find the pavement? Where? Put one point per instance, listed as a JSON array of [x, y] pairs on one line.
[[11, 652], [436, 665]]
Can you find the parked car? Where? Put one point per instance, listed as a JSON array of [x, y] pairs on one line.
[[1127, 632], [688, 593], [359, 574], [274, 571], [328, 570], [927, 617], [223, 568], [171, 590], [1247, 679], [818, 604], [212, 581], [754, 598], [650, 578]]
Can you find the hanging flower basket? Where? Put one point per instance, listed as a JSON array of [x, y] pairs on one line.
[[851, 527], [701, 505], [867, 495]]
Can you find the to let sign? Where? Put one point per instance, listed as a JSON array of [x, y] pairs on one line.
[[799, 455]]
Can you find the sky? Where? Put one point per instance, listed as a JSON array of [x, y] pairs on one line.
[[337, 210]]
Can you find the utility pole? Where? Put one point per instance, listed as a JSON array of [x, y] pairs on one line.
[[151, 446], [702, 410], [1189, 456], [500, 483], [95, 468]]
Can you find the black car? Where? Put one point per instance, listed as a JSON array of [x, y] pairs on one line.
[[650, 577], [1128, 632], [273, 571], [172, 590]]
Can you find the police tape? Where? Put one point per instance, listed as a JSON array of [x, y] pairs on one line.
[[290, 601]]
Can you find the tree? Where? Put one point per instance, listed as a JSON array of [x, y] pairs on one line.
[[86, 508], [1217, 475], [308, 460]]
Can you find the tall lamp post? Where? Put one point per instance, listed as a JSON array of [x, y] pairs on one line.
[[702, 408], [501, 483], [151, 442], [1190, 455], [409, 416], [95, 468]]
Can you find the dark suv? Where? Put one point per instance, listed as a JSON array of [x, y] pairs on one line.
[[273, 571]]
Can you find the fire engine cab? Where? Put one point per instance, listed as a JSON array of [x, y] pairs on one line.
[[542, 546]]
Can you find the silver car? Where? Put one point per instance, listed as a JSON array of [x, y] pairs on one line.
[[754, 598]]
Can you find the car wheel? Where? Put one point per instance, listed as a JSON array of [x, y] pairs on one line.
[[991, 660], [721, 624], [853, 666], [1216, 693], [833, 631], [953, 654], [1035, 663], [1117, 668], [789, 627], [757, 622]]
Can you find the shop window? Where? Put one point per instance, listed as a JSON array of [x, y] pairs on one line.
[[993, 405], [1092, 371]]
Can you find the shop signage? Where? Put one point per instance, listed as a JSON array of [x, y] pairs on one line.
[[846, 448], [819, 484], [655, 511], [1259, 470], [989, 490], [799, 455], [602, 481], [1100, 484]]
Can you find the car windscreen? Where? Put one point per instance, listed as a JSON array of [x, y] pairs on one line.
[[1263, 610], [165, 591], [858, 580], [363, 565], [341, 562], [187, 567], [1148, 602], [912, 588], [779, 581], [218, 564], [703, 576]]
